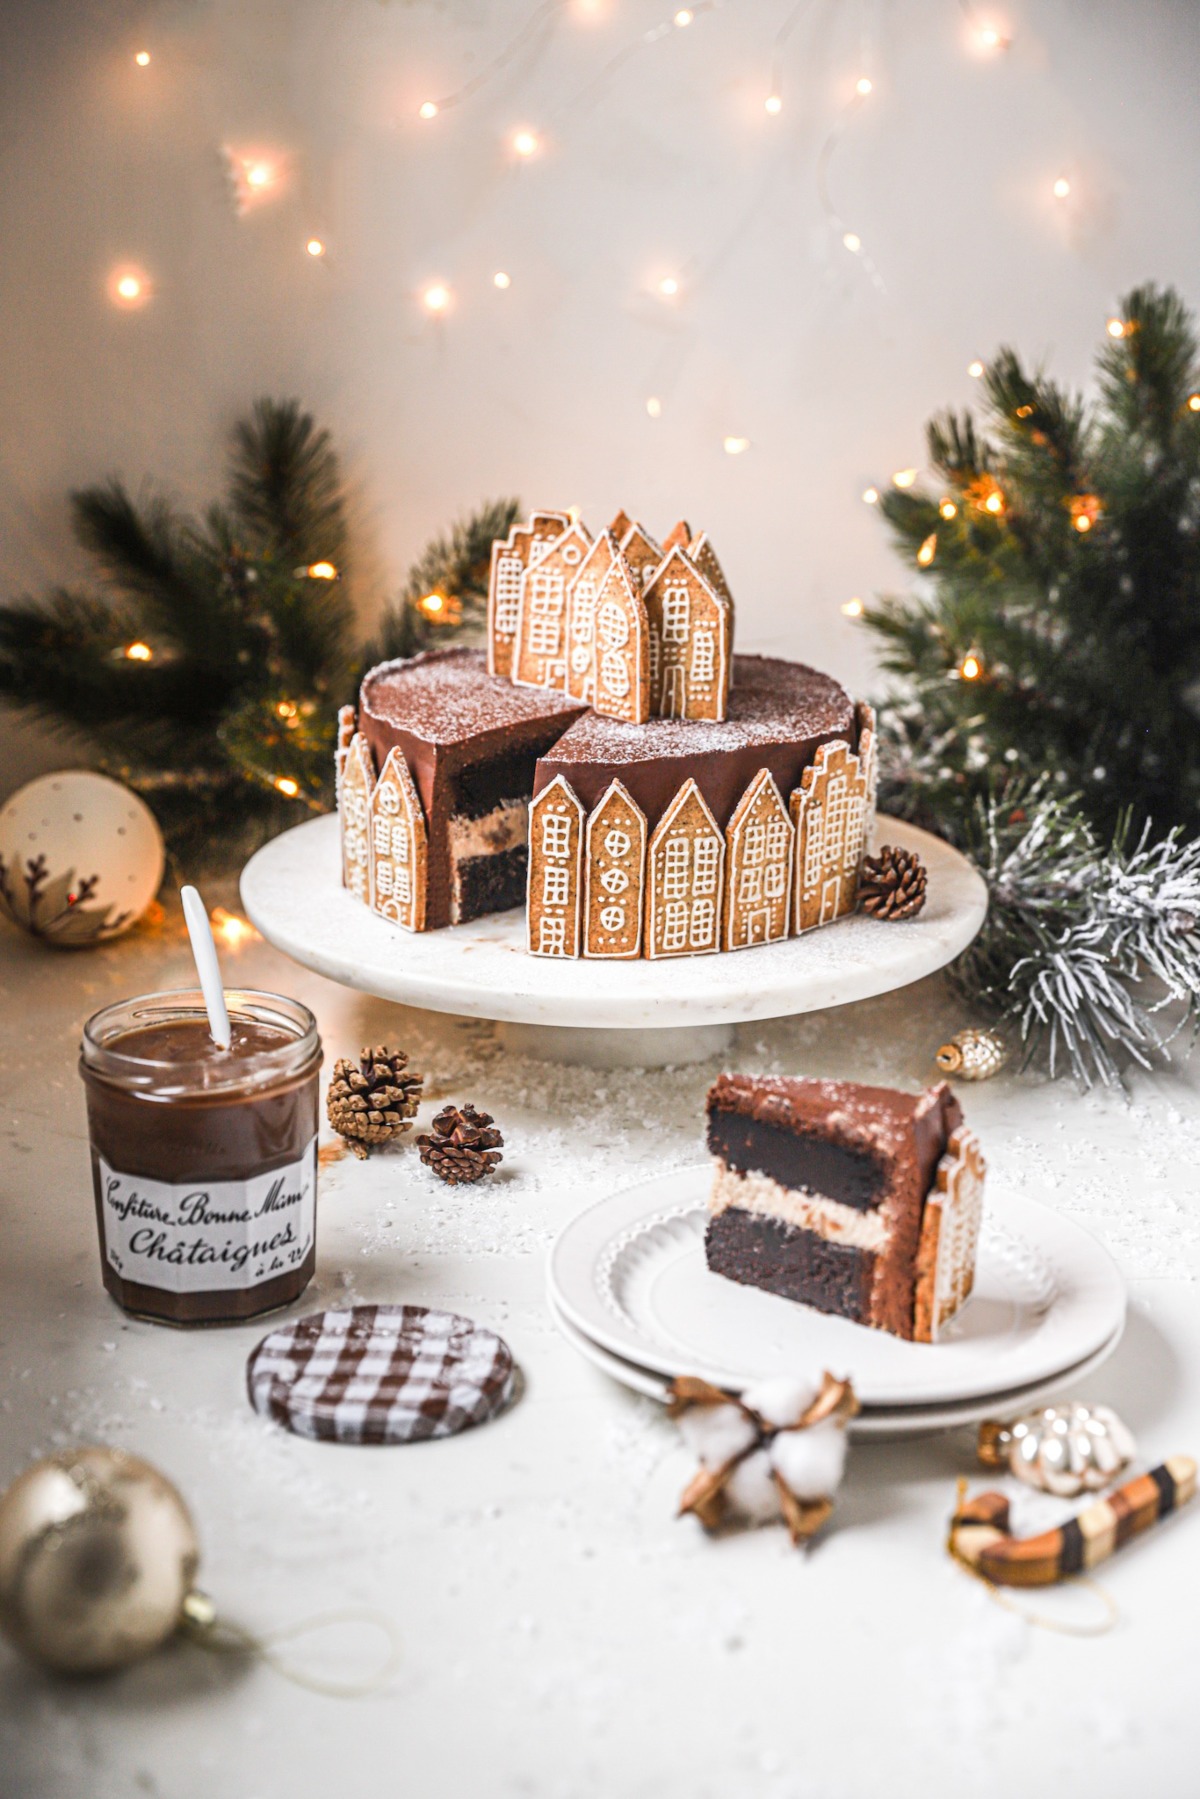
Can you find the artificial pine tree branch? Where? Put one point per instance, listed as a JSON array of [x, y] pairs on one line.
[[455, 568]]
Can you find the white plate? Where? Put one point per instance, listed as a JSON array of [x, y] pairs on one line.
[[881, 1421], [293, 893], [630, 1273]]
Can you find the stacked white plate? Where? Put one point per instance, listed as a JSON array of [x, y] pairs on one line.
[[630, 1289]]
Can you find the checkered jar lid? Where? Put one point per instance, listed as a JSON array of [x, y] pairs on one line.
[[380, 1374]]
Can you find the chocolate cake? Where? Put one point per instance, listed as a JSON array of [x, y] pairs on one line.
[[471, 741], [859, 1201], [780, 713]]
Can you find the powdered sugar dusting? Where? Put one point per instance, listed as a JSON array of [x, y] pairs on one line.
[[447, 696]]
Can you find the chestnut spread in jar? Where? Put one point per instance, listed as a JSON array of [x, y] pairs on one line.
[[203, 1159]]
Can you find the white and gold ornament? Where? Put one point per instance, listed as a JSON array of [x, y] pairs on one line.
[[98, 1556], [81, 858], [973, 1054], [1062, 1449]]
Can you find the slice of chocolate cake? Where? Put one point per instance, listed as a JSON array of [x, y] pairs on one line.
[[471, 741], [861, 1201]]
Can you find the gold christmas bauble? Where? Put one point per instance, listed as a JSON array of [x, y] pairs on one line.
[[98, 1554], [973, 1054]]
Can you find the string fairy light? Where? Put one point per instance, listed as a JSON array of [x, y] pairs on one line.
[[138, 652], [668, 287], [684, 17], [870, 496], [948, 509], [128, 288], [654, 406], [315, 247], [428, 109], [284, 784], [232, 930], [436, 298], [501, 279], [852, 608], [734, 446], [773, 104], [928, 550], [526, 143], [142, 59], [1116, 327], [852, 242], [1193, 402], [904, 477], [971, 666], [1062, 188], [254, 176], [975, 369], [321, 571], [864, 86]]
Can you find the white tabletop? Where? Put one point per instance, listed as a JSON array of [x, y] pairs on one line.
[[564, 1637]]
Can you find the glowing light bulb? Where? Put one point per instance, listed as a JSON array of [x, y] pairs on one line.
[[1062, 188], [654, 406], [904, 477], [285, 709], [1193, 402], [852, 241], [1116, 327], [526, 143], [773, 103], [971, 666], [284, 784], [231, 929], [433, 603], [1082, 522], [142, 59], [321, 571], [436, 298], [733, 446], [138, 652], [684, 17], [990, 38], [948, 509], [668, 287], [852, 608], [994, 503], [870, 496], [501, 280], [128, 288], [259, 175], [864, 86], [315, 247], [928, 550], [428, 109], [975, 369]]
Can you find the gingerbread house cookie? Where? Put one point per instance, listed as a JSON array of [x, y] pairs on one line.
[[949, 1236], [614, 881], [346, 727], [620, 648], [641, 553], [690, 646], [685, 888], [540, 658], [511, 556], [399, 846], [358, 779], [581, 617], [831, 810], [760, 842], [555, 871]]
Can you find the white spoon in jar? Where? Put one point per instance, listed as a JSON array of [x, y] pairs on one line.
[[204, 950]]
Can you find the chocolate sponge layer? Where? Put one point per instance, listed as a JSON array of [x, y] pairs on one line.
[[852, 1176], [792, 1262]]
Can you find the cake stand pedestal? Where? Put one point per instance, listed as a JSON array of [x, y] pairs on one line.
[[607, 1014]]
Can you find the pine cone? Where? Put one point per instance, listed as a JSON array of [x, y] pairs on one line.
[[371, 1101], [464, 1146], [892, 884]]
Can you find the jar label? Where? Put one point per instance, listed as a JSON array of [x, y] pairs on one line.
[[196, 1237]]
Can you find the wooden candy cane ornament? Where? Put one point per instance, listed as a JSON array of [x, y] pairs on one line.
[[979, 1530]]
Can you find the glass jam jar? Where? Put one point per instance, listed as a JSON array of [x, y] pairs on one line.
[[204, 1160]]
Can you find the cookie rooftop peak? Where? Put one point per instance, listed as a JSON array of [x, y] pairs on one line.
[[633, 628]]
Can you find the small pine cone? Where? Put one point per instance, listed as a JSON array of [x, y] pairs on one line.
[[371, 1101], [464, 1145], [892, 884]]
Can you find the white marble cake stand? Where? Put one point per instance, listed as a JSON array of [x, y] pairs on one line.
[[609, 1014]]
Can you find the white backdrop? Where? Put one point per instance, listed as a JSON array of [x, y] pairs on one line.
[[656, 158]]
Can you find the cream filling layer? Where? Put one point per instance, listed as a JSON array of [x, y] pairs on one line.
[[829, 1218], [505, 827]]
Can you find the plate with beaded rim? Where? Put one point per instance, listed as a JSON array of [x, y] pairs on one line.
[[629, 1272], [881, 1422]]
